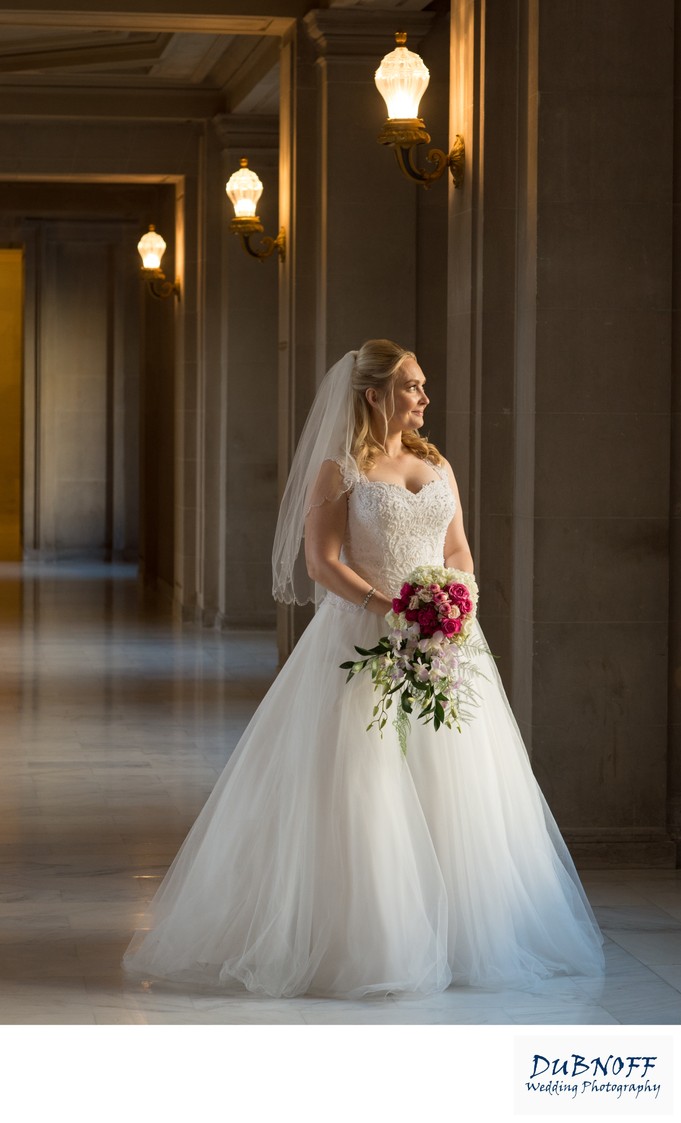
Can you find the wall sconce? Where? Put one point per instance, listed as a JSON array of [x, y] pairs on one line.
[[401, 80], [244, 188], [152, 247]]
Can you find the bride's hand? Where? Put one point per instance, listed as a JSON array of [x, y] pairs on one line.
[[379, 604]]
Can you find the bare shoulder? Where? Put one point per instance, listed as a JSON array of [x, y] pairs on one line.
[[449, 473], [448, 470]]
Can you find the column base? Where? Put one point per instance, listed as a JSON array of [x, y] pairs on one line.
[[614, 848]]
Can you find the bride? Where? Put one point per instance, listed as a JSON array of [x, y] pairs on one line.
[[326, 862]]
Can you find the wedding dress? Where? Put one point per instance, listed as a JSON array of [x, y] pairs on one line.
[[326, 862]]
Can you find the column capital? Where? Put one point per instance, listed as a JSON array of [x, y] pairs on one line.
[[358, 33], [258, 133]]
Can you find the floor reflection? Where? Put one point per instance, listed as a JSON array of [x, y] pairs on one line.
[[115, 722]]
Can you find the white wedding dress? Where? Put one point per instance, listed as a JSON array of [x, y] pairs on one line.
[[325, 862]]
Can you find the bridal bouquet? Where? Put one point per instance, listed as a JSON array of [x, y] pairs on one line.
[[427, 659]]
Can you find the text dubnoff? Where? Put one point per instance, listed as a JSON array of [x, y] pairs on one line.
[[619, 1076], [609, 1079]]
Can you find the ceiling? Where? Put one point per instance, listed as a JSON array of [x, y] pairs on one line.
[[233, 72], [92, 61]]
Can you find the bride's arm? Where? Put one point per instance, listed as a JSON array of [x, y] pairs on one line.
[[457, 550], [324, 531]]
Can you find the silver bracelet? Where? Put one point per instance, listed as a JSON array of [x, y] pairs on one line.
[[367, 598]]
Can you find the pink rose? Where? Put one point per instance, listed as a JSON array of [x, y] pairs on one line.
[[449, 627], [407, 590]]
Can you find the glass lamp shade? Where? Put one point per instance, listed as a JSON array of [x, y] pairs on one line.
[[401, 80], [244, 189], [152, 248]]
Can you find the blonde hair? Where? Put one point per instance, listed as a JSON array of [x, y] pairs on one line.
[[376, 367]]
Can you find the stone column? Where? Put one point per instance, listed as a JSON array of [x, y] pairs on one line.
[[561, 322], [188, 403], [432, 250], [675, 489], [250, 317], [489, 267], [603, 382], [352, 220], [158, 376], [367, 213], [298, 292]]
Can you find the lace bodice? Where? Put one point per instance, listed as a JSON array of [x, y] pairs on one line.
[[390, 531]]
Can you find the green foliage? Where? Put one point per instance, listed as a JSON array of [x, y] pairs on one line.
[[429, 681], [434, 700]]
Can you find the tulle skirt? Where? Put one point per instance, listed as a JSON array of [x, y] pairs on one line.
[[326, 862]]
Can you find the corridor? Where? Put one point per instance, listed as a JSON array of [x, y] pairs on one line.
[[115, 722]]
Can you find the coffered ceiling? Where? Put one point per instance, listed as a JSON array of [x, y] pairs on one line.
[[154, 59], [224, 70]]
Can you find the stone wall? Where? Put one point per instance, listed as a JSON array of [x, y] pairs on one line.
[[567, 236]]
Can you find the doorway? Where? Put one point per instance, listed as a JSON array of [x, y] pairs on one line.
[[82, 389]]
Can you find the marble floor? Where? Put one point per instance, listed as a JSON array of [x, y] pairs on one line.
[[115, 722]]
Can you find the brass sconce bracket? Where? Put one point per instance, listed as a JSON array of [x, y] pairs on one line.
[[247, 227], [404, 136], [159, 286]]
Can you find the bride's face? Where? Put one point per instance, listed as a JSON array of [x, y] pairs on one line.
[[410, 398]]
